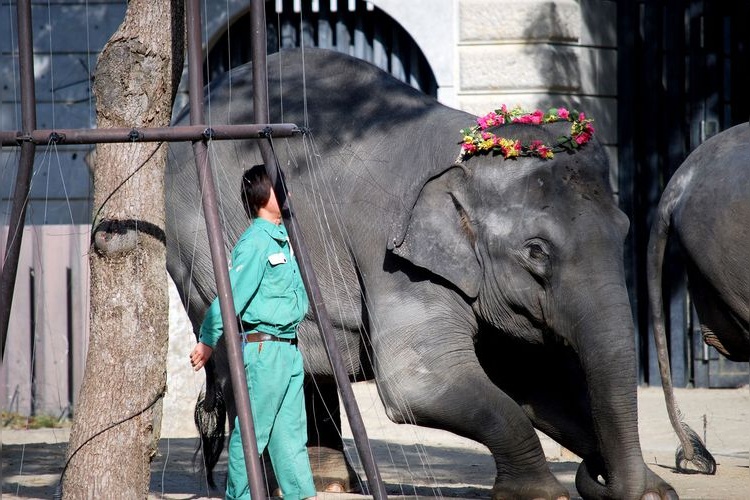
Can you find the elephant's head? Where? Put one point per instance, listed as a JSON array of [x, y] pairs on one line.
[[537, 247], [522, 237]]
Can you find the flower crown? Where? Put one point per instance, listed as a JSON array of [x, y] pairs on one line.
[[478, 140]]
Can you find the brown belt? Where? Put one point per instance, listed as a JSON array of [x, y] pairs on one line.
[[267, 337]]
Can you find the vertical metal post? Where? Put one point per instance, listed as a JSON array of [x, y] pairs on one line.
[[218, 256], [261, 115], [32, 341], [69, 337], [25, 168]]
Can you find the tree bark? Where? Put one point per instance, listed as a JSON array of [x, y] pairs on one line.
[[118, 416]]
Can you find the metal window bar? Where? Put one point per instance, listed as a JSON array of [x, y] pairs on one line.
[[199, 135]]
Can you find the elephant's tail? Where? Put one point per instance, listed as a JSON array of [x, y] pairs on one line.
[[692, 450], [210, 417]]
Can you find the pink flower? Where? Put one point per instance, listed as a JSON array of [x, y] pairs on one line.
[[534, 118], [583, 138], [491, 119], [563, 113]]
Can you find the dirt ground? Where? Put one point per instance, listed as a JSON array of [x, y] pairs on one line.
[[420, 462]]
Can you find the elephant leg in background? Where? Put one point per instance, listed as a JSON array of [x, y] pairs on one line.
[[548, 383], [441, 385], [555, 398], [720, 326], [331, 470]]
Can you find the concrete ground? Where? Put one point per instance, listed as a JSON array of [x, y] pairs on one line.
[[420, 462]]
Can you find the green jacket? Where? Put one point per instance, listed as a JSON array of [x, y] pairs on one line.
[[266, 285]]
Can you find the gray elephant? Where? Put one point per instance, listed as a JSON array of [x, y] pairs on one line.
[[706, 206], [485, 297]]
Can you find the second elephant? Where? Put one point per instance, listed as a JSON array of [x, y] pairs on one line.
[[706, 207]]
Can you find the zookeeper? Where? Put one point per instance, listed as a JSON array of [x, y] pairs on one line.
[[270, 302]]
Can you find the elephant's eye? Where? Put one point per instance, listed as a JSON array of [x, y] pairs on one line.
[[537, 250], [537, 258]]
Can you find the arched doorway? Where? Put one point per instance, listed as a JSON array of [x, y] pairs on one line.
[[356, 28]]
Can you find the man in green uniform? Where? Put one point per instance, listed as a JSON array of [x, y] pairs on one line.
[[270, 302]]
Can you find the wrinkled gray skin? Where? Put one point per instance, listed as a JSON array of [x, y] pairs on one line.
[[706, 206], [490, 295]]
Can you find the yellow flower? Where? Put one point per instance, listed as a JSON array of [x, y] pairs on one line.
[[486, 145]]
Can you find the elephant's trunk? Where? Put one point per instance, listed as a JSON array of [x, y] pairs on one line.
[[606, 346]]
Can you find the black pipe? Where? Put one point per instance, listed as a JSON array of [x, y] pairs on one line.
[[219, 259], [261, 110], [32, 341], [25, 169], [148, 134], [70, 337]]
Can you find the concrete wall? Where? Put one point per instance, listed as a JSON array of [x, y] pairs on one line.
[[48, 332], [540, 54]]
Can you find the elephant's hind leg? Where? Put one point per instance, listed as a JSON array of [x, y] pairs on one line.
[[332, 471], [724, 329]]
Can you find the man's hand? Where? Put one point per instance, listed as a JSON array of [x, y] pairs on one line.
[[199, 356]]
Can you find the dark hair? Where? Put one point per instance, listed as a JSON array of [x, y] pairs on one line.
[[256, 189]]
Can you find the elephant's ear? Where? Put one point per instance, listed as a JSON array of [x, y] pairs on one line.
[[439, 236]]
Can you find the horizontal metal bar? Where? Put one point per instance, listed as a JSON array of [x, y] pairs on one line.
[[150, 134]]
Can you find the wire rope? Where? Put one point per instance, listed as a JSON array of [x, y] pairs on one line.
[[321, 216], [48, 328], [324, 187]]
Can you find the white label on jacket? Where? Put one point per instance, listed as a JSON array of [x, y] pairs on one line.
[[277, 258]]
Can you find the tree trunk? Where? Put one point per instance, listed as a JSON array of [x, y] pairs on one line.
[[118, 416]]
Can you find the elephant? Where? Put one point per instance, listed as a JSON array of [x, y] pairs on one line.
[[705, 206], [485, 297]]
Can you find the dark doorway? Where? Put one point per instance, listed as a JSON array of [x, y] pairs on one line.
[[365, 32], [683, 75]]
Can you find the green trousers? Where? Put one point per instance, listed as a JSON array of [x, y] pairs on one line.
[[275, 374]]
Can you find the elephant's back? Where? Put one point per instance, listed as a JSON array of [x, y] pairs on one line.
[[371, 144], [713, 183], [712, 212], [373, 141]]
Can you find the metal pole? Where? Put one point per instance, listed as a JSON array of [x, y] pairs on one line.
[[218, 256], [148, 134], [261, 110], [25, 169]]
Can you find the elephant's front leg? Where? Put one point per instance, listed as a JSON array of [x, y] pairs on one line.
[[428, 374]]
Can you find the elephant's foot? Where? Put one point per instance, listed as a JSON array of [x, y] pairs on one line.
[[590, 485], [331, 472], [530, 488], [335, 487], [657, 488]]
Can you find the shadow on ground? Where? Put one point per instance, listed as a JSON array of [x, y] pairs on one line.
[[33, 471]]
